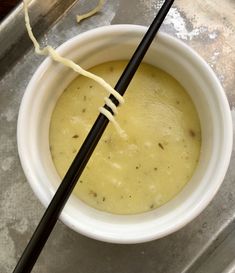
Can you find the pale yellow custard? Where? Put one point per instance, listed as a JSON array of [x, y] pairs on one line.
[[153, 164]]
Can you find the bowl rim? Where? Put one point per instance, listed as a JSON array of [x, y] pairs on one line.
[[66, 218]]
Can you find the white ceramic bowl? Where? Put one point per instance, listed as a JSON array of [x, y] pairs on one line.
[[117, 43]]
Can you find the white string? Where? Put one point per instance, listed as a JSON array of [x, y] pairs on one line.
[[90, 13], [111, 105], [49, 51], [109, 116]]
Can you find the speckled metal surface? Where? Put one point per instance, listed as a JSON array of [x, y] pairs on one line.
[[205, 245]]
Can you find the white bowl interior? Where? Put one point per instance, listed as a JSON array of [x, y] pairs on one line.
[[167, 53]]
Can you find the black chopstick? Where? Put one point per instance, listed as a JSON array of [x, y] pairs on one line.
[[49, 219]]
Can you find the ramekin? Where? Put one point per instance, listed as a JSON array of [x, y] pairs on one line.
[[118, 42]]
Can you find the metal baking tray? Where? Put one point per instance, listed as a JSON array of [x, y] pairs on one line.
[[205, 245]]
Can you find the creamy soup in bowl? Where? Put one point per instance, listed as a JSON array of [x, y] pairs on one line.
[[208, 140], [161, 151]]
